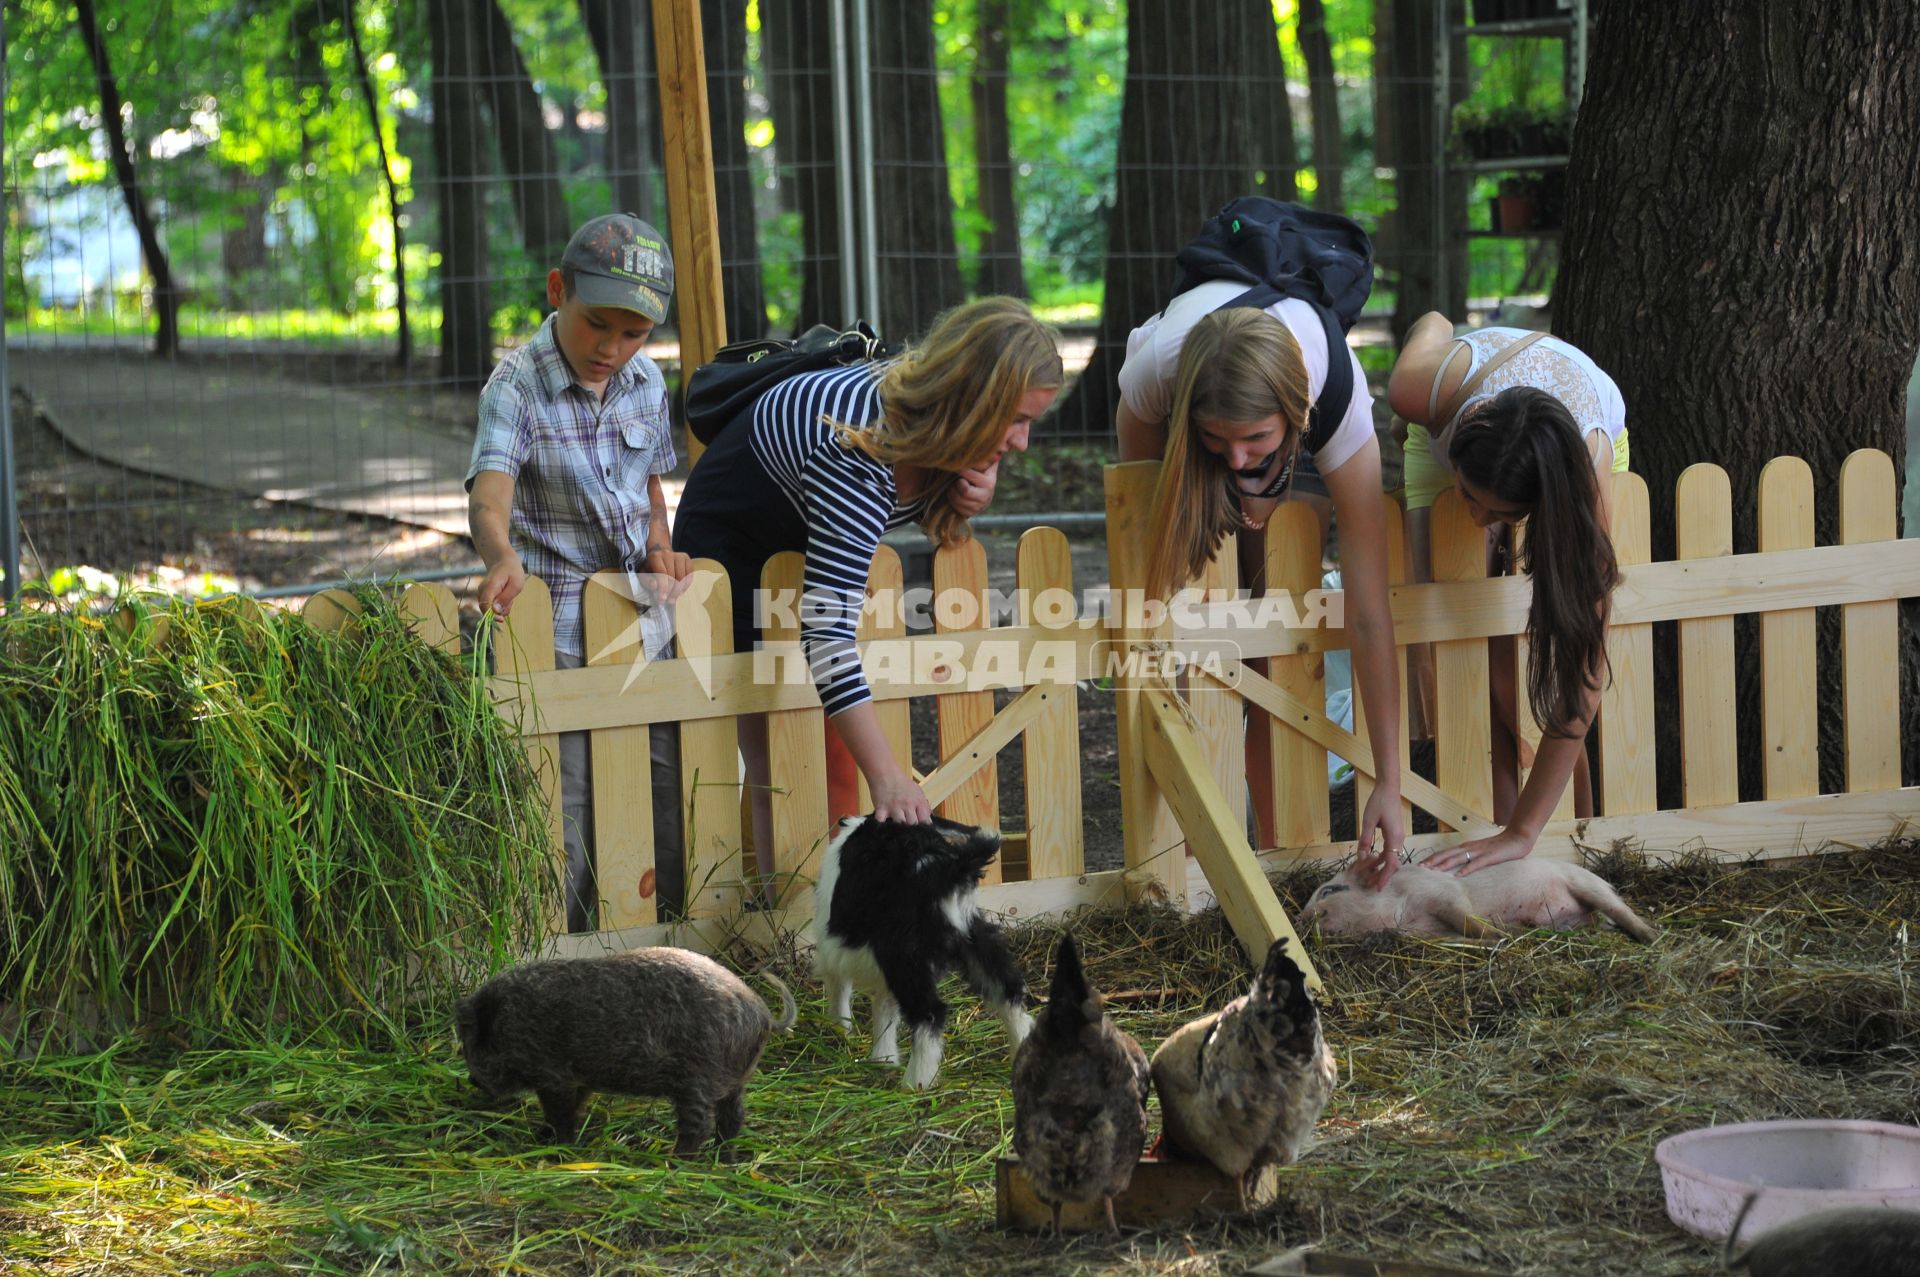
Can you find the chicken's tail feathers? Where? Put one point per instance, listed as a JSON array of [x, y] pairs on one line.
[[1073, 1000]]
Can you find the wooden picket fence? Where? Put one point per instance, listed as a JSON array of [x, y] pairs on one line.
[[1184, 689]]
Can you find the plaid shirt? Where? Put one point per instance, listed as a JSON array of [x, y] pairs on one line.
[[580, 468]]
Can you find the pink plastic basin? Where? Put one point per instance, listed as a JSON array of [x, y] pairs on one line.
[[1804, 1166]]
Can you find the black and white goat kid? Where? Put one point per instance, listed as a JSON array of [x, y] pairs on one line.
[[895, 911]]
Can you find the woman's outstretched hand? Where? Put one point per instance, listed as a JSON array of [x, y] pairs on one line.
[[899, 798], [1382, 815], [1470, 857]]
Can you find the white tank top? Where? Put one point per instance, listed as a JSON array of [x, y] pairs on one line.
[[1562, 370]]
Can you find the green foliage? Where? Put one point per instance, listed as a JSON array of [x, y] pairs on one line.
[[222, 819], [254, 144]]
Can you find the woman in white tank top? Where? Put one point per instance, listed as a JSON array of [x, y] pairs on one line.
[[1527, 428]]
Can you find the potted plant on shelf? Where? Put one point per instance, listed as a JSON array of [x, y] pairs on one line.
[[1516, 204]]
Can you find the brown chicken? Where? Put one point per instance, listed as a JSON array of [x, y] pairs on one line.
[[1079, 1096], [1243, 1087]]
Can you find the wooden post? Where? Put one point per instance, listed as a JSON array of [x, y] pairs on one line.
[[1709, 758], [885, 581], [434, 615], [523, 644], [796, 750], [1789, 666], [1155, 856], [1870, 632], [1626, 784], [1396, 577], [1219, 716], [622, 766], [1051, 751], [1299, 765], [693, 221], [712, 813], [330, 611], [959, 604], [1463, 745]]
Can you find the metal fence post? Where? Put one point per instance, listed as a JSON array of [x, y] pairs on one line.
[[9, 507]]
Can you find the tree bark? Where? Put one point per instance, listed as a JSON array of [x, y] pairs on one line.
[[1408, 246], [798, 38], [1001, 270], [243, 245], [724, 23], [620, 31], [403, 349], [166, 298], [1183, 153], [466, 340], [1329, 150], [919, 269], [1742, 255], [526, 147], [1276, 155]]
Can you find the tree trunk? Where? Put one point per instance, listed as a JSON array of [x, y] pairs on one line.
[[1742, 254], [1001, 270], [744, 298], [620, 31], [526, 147], [1409, 248], [798, 38], [166, 299], [1329, 151], [1276, 155], [466, 340], [243, 245], [403, 349], [1183, 153], [919, 269]]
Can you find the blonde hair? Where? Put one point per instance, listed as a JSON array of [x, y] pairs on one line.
[[947, 402], [1236, 365]]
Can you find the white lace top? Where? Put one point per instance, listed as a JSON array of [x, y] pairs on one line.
[[1552, 365]]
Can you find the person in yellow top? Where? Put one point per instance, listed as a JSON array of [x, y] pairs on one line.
[[1530, 430]]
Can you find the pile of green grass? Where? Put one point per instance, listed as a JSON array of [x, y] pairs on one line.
[[217, 819], [1497, 1110]]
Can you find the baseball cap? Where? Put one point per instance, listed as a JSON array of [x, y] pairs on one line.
[[619, 260]]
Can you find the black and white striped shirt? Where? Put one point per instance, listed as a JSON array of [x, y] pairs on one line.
[[848, 500]]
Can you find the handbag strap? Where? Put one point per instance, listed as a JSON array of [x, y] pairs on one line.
[[1443, 421]]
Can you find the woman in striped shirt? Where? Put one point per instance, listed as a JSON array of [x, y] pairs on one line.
[[825, 463]]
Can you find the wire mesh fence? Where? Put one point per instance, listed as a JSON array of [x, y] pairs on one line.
[[331, 216]]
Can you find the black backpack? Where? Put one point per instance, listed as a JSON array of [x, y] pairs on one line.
[[718, 393], [1282, 250]]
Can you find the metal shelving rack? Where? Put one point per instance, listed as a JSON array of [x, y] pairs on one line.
[[1569, 25]]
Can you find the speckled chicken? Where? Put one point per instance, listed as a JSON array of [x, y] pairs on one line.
[[1079, 1095], [1243, 1087]]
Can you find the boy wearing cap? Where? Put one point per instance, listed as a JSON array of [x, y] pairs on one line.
[[565, 482]]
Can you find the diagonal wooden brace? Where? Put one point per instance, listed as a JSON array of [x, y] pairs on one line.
[[1217, 836], [1317, 727]]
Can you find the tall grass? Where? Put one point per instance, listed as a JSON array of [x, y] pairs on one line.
[[221, 819]]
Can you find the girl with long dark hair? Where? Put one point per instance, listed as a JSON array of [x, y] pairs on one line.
[[1532, 433]]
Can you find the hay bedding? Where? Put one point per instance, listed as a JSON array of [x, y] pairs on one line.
[[1498, 1108]]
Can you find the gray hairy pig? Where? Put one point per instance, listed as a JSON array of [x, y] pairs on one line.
[[660, 1021]]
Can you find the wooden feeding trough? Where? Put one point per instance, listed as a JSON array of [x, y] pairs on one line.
[[1163, 1189]]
